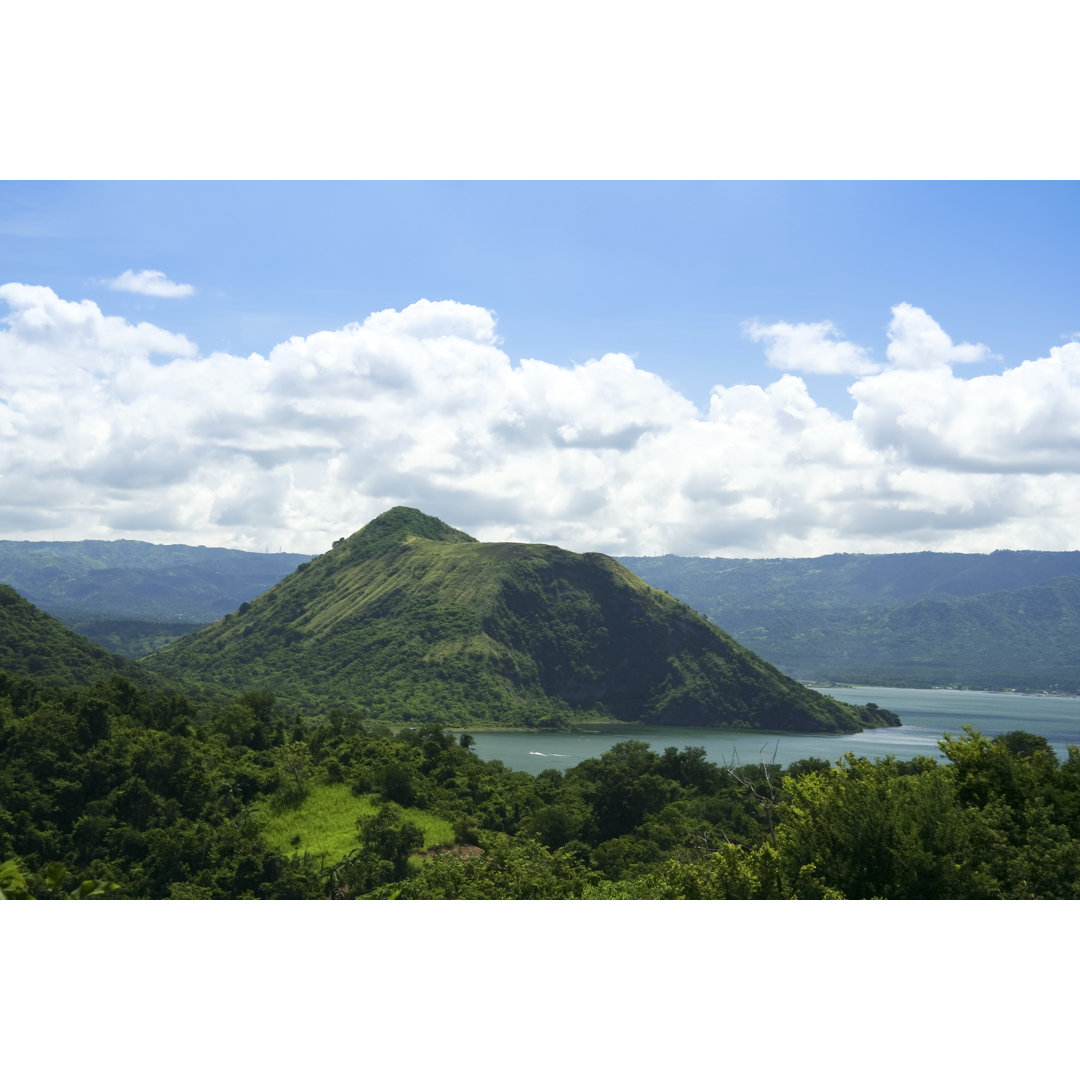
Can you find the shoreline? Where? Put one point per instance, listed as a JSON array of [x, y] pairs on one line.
[[822, 687]]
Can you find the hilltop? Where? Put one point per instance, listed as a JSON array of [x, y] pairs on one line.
[[412, 620]]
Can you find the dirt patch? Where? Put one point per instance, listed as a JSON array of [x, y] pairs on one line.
[[461, 851]]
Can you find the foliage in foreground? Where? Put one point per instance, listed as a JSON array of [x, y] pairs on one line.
[[118, 791]]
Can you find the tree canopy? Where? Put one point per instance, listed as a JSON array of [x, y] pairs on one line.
[[129, 792]]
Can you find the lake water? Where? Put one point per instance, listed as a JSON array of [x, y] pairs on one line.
[[926, 716]]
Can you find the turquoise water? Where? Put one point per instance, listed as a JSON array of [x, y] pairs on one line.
[[926, 716]]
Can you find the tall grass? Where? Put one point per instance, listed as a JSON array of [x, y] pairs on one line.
[[326, 823]]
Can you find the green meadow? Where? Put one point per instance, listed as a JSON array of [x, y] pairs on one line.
[[325, 823]]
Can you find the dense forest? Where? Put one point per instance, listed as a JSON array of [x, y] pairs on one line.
[[34, 643], [119, 791]]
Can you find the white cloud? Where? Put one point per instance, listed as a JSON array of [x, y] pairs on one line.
[[150, 283], [1024, 420], [917, 342], [439, 318], [100, 438], [47, 334], [815, 348]]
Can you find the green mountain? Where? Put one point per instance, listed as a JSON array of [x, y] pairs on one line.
[[1007, 620], [133, 597], [33, 643], [410, 619]]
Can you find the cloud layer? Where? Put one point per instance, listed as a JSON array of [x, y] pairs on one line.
[[109, 429]]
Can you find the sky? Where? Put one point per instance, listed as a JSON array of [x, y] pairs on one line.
[[774, 368]]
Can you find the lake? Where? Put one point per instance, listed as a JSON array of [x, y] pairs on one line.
[[926, 716]]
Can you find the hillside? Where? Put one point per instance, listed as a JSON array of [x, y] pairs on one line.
[[33, 643], [133, 597], [1008, 620], [410, 619]]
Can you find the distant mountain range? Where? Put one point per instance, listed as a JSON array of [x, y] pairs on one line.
[[412, 620], [1007, 620], [133, 597]]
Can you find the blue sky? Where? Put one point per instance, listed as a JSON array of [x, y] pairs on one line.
[[667, 272], [743, 368]]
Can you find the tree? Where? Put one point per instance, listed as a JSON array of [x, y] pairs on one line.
[[390, 837], [1017, 794], [295, 768], [51, 884], [395, 783], [507, 869], [386, 842], [13, 881], [866, 830], [622, 786]]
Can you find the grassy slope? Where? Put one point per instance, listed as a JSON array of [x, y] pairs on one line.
[[326, 823]]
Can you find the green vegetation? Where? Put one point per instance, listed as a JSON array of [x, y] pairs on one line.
[[1009, 620], [411, 621], [309, 755], [33, 643], [136, 792], [130, 637], [325, 823], [117, 791]]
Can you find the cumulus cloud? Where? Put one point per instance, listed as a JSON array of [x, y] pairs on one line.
[[46, 333], [816, 348], [917, 342], [437, 319], [150, 283], [109, 428]]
